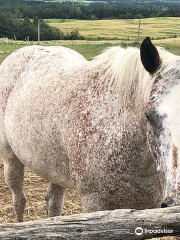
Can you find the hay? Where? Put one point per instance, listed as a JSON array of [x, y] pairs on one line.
[[35, 189]]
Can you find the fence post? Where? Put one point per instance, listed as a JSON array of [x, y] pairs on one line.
[[39, 32], [139, 31]]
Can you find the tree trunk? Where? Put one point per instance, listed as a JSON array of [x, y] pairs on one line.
[[107, 225]]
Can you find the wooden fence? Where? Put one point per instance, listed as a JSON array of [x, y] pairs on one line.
[[108, 225]]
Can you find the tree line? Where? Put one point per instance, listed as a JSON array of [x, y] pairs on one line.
[[70, 10], [23, 28], [18, 18]]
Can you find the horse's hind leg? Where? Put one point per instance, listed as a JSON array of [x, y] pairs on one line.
[[14, 176], [55, 200]]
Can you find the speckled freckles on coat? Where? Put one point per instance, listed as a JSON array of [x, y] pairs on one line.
[[79, 125]]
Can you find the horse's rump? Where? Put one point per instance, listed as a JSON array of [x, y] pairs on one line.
[[32, 79]]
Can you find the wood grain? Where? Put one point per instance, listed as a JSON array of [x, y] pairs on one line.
[[117, 224]]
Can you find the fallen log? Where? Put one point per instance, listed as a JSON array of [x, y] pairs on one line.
[[107, 225]]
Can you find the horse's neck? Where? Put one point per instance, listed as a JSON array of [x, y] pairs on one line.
[[132, 126]]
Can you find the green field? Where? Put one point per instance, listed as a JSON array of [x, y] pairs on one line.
[[89, 49], [60, 20], [121, 29], [108, 33]]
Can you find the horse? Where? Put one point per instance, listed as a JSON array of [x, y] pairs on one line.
[[108, 127]]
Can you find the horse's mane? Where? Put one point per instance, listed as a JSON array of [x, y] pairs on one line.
[[125, 72]]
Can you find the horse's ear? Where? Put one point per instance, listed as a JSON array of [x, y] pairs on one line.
[[149, 56]]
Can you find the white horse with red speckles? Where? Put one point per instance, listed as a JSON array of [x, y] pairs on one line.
[[105, 127]]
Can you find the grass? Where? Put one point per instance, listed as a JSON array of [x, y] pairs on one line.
[[122, 29], [162, 30], [7, 47], [60, 20], [89, 49]]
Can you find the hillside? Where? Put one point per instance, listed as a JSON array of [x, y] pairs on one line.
[[91, 9]]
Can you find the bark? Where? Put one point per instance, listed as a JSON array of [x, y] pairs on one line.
[[107, 225]]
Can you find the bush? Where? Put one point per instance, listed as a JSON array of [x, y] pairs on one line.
[[74, 35]]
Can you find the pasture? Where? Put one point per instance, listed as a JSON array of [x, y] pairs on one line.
[[89, 49], [121, 29], [126, 31]]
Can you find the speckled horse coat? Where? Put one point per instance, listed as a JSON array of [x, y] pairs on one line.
[[78, 124]]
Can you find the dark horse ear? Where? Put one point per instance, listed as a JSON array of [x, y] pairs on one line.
[[149, 56]]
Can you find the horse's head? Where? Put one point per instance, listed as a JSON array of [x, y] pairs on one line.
[[163, 119]]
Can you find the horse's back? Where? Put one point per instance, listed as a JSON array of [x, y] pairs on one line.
[[32, 79], [34, 60]]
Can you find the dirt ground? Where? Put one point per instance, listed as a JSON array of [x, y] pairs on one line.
[[35, 189]]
